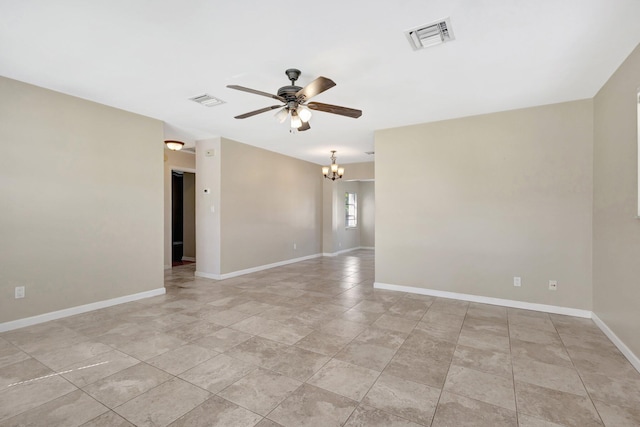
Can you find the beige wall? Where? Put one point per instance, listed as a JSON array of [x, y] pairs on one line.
[[81, 192], [464, 205], [616, 230], [189, 215], [268, 202], [173, 160], [367, 213]]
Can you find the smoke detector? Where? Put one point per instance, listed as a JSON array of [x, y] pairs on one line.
[[429, 35]]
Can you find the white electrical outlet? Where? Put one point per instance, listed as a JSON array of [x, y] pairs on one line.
[[295, 246], [19, 292], [517, 281], [553, 285]]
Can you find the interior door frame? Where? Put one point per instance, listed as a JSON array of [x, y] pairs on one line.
[[180, 169]]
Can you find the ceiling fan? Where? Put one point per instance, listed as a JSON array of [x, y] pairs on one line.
[[295, 100]]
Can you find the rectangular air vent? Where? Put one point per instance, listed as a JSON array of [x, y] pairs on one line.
[[430, 35], [207, 100], [371, 153]]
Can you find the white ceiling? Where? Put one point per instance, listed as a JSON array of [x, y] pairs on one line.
[[150, 56]]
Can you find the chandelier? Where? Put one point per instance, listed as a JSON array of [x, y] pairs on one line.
[[332, 171]]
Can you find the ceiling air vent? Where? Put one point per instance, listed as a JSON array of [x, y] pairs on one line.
[[371, 153], [207, 100], [430, 35]]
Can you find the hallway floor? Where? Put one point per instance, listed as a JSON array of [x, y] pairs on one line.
[[313, 344]]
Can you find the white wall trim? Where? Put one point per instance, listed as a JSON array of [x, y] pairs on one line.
[[487, 300], [188, 258], [254, 269], [41, 318], [346, 250], [635, 360], [167, 267]]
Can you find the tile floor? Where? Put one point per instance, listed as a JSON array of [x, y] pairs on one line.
[[313, 344]]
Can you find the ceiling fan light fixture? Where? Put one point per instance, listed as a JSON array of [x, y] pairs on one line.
[[282, 115], [295, 120], [304, 113], [174, 145]]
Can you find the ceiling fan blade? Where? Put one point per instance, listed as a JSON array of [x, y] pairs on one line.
[[317, 86], [335, 109], [253, 113], [257, 92], [305, 126]]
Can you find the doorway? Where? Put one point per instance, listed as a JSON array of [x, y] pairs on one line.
[[183, 218]]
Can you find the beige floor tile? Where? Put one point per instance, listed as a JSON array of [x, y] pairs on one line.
[[405, 399], [322, 343], [493, 362], [298, 363], [528, 421], [537, 336], [152, 344], [542, 323], [217, 373], [70, 410], [485, 311], [440, 330], [118, 388], [550, 376], [487, 388], [613, 365], [484, 325], [343, 328], [556, 406], [618, 416], [409, 308], [273, 330], [163, 404], [366, 416], [218, 412], [359, 316], [344, 379], [414, 366], [222, 340], [459, 411], [108, 419], [19, 398], [549, 353], [382, 337], [24, 370], [192, 331], [181, 359], [366, 355], [98, 367], [484, 340], [72, 354], [258, 351], [429, 347], [372, 306], [267, 423], [395, 323], [616, 391], [47, 336], [260, 391], [10, 354], [313, 407], [449, 306]]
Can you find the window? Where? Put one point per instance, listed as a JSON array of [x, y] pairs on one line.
[[351, 210]]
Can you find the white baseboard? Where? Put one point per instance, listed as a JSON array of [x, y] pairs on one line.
[[189, 258], [41, 318], [254, 269], [635, 360], [167, 267], [487, 300], [344, 251]]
